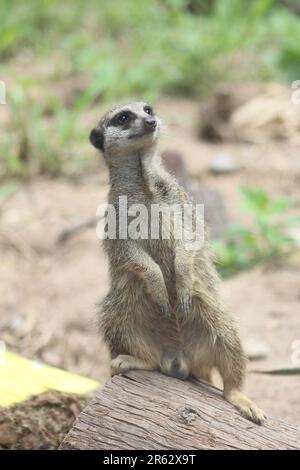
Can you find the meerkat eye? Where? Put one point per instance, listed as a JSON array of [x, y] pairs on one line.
[[148, 110], [123, 117]]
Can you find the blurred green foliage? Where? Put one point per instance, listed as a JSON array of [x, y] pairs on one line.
[[141, 46], [129, 48], [266, 239], [288, 371]]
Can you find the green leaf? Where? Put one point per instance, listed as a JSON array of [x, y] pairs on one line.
[[291, 371], [255, 200], [281, 205]]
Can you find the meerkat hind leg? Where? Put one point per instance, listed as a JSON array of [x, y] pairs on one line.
[[245, 406], [231, 363], [124, 362]]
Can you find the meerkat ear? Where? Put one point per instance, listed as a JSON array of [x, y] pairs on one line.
[[96, 138]]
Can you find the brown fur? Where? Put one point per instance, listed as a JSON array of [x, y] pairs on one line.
[[163, 309]]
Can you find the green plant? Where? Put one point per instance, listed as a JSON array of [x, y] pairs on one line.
[[287, 371], [132, 47], [127, 49], [266, 239], [42, 139]]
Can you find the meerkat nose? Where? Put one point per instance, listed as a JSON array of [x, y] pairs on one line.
[[151, 123]]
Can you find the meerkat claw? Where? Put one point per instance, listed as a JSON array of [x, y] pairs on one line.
[[185, 303], [166, 309]]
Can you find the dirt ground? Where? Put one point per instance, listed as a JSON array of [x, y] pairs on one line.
[[41, 422], [48, 291]]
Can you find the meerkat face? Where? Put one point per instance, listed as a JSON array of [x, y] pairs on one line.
[[126, 129]]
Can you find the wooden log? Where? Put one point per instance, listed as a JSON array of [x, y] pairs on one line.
[[147, 410]]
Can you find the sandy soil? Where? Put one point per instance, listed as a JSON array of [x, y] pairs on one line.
[[48, 290]]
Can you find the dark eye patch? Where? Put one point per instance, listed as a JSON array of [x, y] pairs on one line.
[[148, 110], [122, 119]]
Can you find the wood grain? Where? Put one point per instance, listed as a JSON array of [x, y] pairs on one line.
[[147, 410]]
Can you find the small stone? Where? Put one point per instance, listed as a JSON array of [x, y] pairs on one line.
[[223, 163], [255, 348]]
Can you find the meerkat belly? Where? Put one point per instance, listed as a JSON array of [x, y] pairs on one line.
[[168, 336], [166, 339], [155, 335]]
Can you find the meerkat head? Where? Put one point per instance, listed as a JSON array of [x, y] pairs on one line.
[[126, 129]]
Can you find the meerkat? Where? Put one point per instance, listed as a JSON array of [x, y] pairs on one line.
[[163, 310]]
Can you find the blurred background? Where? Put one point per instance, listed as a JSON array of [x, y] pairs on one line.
[[222, 75]]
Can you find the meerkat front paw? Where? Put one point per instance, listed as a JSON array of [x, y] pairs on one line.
[[162, 300], [185, 302], [160, 297], [246, 407], [165, 309]]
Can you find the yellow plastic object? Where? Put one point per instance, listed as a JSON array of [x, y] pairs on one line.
[[21, 378]]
